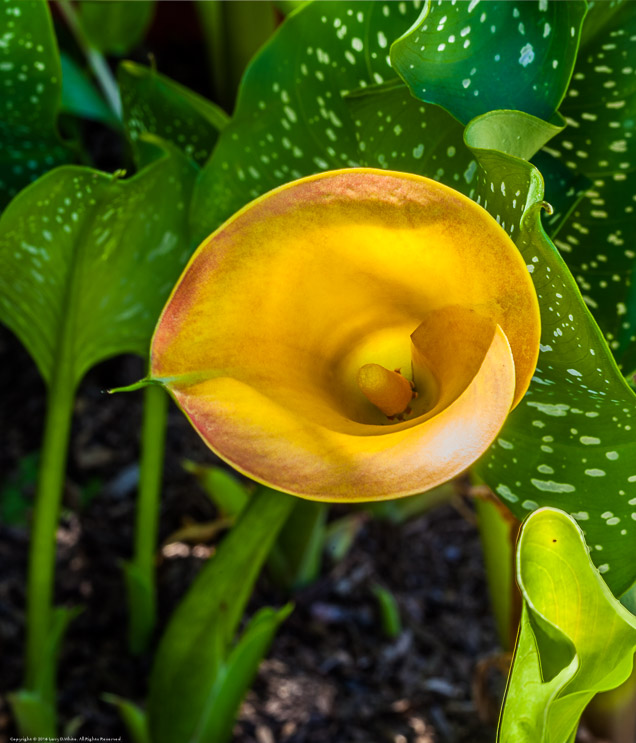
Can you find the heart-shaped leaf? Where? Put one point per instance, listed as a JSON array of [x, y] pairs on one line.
[[291, 119], [89, 260], [31, 90], [152, 103], [473, 57], [575, 640]]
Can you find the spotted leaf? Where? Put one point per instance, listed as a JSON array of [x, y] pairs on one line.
[[31, 91], [600, 109], [155, 104], [473, 57], [396, 131], [562, 658], [291, 118], [90, 260], [569, 444]]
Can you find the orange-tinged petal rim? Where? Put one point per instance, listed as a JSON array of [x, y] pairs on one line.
[[236, 422]]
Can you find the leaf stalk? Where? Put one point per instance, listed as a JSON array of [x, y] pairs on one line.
[[96, 60]]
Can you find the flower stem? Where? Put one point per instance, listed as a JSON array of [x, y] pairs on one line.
[[94, 57], [143, 607], [498, 530], [45, 519]]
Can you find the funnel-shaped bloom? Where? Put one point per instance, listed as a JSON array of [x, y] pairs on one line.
[[355, 335]]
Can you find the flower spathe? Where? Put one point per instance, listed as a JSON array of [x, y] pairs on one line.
[[355, 335]]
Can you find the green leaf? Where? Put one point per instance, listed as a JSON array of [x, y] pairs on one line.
[[196, 645], [14, 505], [476, 57], [575, 640], [389, 611], [291, 119], [133, 717], [115, 26], [396, 131], [155, 104], [80, 97], [599, 142], [568, 444], [226, 492], [236, 675], [301, 542], [289, 6], [31, 89], [341, 533], [400, 510], [92, 258], [34, 716]]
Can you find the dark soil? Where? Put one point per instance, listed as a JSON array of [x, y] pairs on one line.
[[332, 675]]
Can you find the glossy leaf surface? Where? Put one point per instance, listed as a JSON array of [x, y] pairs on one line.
[[190, 677], [575, 640], [152, 103], [396, 131], [31, 89], [474, 57], [92, 257]]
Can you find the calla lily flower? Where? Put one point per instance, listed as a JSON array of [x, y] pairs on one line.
[[355, 335]]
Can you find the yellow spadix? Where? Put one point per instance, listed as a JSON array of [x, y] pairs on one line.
[[354, 335], [388, 390]]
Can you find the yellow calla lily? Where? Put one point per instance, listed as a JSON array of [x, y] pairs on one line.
[[355, 335]]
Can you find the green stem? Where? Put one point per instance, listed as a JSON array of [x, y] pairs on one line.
[[153, 434], [498, 531], [95, 59], [45, 519], [234, 32]]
